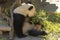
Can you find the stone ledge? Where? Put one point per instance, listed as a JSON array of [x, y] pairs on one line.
[[5, 28]]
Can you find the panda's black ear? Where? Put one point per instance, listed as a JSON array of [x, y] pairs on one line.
[[31, 7], [29, 2]]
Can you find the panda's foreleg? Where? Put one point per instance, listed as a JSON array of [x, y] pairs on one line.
[[18, 24]]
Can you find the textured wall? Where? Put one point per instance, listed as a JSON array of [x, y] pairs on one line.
[[48, 5], [57, 4]]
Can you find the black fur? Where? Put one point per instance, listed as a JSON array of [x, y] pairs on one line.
[[29, 2], [30, 8], [18, 21], [36, 33]]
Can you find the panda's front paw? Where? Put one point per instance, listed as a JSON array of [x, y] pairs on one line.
[[36, 33]]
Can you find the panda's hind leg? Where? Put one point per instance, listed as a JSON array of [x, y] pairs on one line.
[[19, 34], [18, 25]]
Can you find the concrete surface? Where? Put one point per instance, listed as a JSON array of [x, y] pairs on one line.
[[28, 38]]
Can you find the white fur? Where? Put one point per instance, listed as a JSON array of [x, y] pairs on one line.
[[23, 10], [23, 3], [30, 4], [27, 27]]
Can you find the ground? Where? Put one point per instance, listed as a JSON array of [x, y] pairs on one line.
[[28, 38]]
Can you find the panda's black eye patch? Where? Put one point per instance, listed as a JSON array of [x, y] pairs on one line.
[[30, 8]]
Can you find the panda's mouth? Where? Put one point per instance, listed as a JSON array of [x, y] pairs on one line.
[[28, 19]]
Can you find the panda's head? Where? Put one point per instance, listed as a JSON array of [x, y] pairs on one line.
[[31, 10], [26, 9]]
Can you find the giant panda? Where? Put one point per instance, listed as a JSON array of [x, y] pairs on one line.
[[19, 16]]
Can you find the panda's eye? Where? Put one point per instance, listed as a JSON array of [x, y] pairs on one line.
[[31, 7]]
